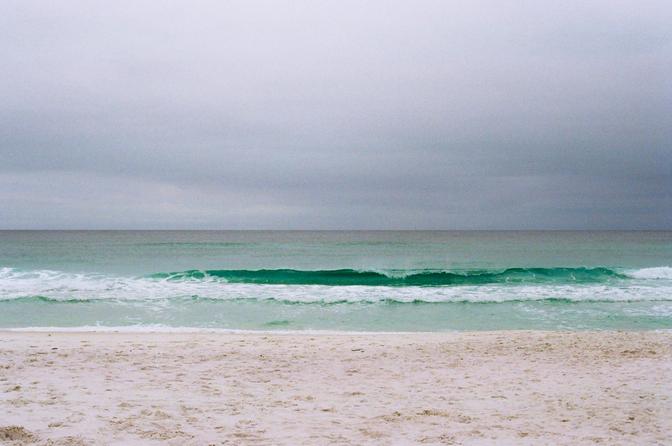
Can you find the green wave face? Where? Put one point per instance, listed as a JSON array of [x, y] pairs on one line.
[[344, 277]]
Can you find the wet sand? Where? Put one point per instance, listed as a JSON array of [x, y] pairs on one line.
[[253, 388]]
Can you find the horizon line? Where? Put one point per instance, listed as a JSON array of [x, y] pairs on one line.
[[338, 230]]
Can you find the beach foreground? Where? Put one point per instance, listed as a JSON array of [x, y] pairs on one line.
[[257, 388]]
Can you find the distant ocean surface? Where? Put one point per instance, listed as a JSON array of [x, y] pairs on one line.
[[336, 280]]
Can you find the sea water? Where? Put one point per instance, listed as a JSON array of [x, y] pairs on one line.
[[336, 280]]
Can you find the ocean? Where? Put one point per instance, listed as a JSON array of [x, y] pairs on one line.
[[336, 280]]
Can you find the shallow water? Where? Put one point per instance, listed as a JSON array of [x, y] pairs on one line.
[[337, 280]]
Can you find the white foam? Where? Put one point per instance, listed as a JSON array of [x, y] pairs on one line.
[[61, 286], [660, 272]]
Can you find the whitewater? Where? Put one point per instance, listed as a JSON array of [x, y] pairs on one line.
[[520, 284], [353, 281]]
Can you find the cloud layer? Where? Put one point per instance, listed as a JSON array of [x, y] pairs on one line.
[[336, 114]]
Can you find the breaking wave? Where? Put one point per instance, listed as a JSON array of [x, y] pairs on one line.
[[429, 278], [337, 286]]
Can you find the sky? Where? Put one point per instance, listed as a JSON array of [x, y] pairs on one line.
[[310, 114]]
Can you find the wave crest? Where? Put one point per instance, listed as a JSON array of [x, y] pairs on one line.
[[349, 277], [514, 284]]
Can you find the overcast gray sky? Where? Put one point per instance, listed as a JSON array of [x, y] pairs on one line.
[[336, 114]]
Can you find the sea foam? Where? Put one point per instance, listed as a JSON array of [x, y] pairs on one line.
[[47, 285], [660, 272]]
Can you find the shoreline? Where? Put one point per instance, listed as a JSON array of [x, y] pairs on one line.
[[140, 329], [476, 387]]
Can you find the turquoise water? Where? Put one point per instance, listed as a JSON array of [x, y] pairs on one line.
[[333, 280]]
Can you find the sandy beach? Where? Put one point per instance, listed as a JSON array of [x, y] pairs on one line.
[[257, 388]]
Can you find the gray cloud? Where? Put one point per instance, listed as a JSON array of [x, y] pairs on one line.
[[329, 114]]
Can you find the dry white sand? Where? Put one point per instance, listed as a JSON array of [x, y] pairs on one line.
[[450, 388]]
